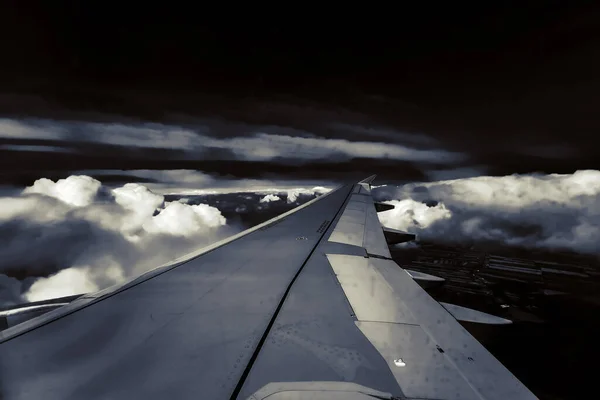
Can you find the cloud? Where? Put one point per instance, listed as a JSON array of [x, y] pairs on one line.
[[187, 182], [74, 190], [36, 148], [294, 194], [32, 129], [556, 211], [167, 176], [67, 282], [248, 142], [387, 133], [178, 219], [455, 173], [270, 197], [147, 135], [78, 235], [409, 214], [265, 147], [10, 290]]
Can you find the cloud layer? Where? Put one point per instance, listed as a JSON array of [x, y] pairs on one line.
[[77, 235], [251, 143], [81, 236], [533, 211]]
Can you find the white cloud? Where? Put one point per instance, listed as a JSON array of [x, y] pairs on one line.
[[270, 197], [321, 190], [178, 219], [89, 237], [74, 190], [293, 194], [245, 185], [409, 214], [67, 282], [558, 211]]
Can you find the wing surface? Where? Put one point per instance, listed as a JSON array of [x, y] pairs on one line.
[[353, 315], [185, 330]]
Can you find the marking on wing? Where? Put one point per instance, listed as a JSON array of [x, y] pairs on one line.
[[425, 372], [323, 226]]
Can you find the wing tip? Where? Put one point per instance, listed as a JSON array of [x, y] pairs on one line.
[[368, 180]]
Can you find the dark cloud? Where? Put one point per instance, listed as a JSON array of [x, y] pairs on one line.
[[256, 152]]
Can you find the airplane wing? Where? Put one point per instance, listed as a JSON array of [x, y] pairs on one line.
[[306, 305]]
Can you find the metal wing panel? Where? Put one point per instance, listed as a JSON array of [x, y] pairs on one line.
[[360, 226], [353, 317], [485, 374], [374, 239], [420, 369], [186, 332], [315, 338], [370, 295]]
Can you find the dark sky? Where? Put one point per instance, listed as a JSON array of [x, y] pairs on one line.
[[511, 85]]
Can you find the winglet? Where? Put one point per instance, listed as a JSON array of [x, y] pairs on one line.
[[369, 179]]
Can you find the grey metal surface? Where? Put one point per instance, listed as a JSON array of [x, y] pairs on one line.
[[185, 332], [315, 338], [365, 188], [369, 179], [19, 315], [484, 373], [369, 294], [466, 314], [381, 207], [426, 281], [374, 241], [394, 236], [419, 367], [317, 391], [360, 226], [357, 318]]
